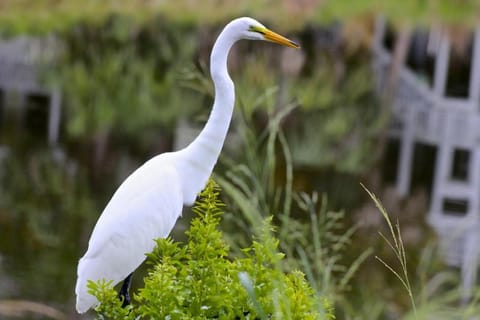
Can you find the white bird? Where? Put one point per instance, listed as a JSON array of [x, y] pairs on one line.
[[147, 204]]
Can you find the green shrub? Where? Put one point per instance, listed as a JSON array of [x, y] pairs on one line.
[[197, 280]]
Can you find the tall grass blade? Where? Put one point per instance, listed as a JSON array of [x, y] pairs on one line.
[[397, 247]]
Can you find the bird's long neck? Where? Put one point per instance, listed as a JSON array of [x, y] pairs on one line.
[[202, 154]]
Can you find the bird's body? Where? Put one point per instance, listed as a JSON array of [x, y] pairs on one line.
[[148, 203], [139, 211]]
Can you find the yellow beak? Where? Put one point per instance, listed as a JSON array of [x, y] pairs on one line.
[[275, 37]]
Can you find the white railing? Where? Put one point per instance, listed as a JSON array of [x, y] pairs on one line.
[[20, 58]]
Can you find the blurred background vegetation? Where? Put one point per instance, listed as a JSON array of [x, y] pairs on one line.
[[307, 129]]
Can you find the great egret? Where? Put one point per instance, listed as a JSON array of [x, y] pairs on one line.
[[147, 204]]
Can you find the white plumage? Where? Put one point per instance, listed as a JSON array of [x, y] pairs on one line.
[[148, 203]]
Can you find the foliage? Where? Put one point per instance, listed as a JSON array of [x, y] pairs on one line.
[[323, 254], [323, 128], [438, 291], [41, 191], [115, 76], [131, 68], [44, 208], [433, 292], [197, 280], [398, 248], [313, 237], [43, 16], [405, 12], [340, 118], [256, 84]]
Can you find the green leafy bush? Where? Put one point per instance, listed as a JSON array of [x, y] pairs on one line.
[[197, 280]]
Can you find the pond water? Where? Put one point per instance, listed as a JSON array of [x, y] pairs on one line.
[[44, 275], [32, 270]]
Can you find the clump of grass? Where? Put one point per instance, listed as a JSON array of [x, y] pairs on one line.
[[321, 248], [313, 237]]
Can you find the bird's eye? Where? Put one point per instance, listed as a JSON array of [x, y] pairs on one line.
[[257, 29]]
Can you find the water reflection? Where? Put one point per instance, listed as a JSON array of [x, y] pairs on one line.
[[45, 210], [46, 217], [45, 275]]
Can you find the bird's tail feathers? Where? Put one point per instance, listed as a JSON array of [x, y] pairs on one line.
[[85, 300]]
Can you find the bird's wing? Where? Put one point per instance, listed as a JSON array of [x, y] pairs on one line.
[[145, 207], [150, 199]]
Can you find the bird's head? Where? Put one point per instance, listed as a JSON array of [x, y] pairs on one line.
[[251, 29]]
